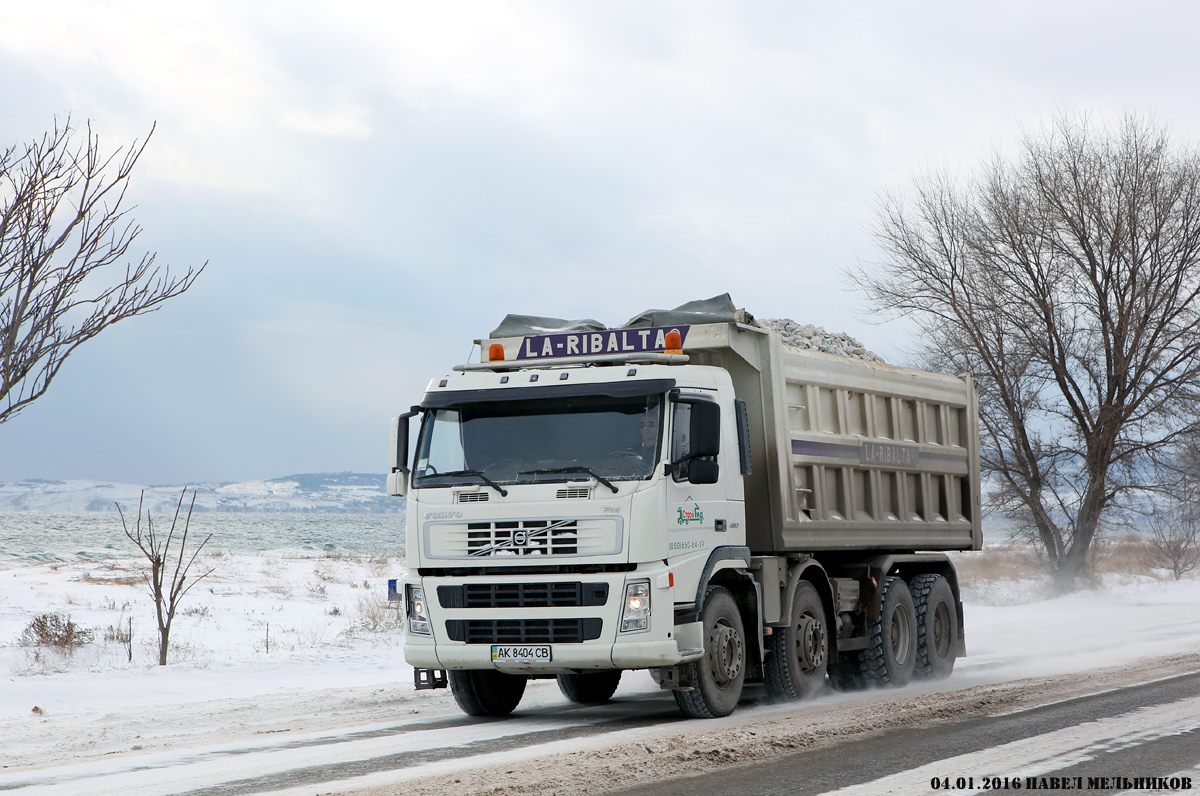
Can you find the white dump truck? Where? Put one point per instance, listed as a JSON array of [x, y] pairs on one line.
[[685, 495]]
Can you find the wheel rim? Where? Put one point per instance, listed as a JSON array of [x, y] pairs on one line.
[[810, 644], [726, 655], [941, 630], [901, 642]]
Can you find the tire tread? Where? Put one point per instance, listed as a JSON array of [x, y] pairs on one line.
[[873, 660], [590, 688], [777, 672], [922, 587], [486, 692]]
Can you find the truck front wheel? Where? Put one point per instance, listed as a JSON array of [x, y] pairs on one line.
[[937, 625], [798, 655], [719, 675], [486, 692], [589, 687]]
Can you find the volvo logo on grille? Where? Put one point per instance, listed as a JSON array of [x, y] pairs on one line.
[[520, 538]]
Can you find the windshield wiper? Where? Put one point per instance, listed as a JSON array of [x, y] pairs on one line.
[[576, 469], [503, 492]]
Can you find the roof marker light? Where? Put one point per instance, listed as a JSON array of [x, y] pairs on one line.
[[495, 352], [674, 342]]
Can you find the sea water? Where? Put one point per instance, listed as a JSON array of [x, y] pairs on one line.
[[31, 537]]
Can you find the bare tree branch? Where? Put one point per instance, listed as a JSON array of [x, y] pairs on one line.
[[166, 593], [1175, 539], [63, 233]]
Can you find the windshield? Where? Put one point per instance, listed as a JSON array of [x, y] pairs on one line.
[[561, 439]]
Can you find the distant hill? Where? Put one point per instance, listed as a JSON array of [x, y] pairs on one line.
[[329, 492]]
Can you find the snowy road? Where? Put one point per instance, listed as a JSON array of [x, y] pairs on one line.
[[1024, 728]]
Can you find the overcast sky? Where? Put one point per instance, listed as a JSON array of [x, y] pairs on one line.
[[376, 184]]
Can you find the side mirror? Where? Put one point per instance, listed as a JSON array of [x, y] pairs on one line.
[[706, 429], [397, 482], [703, 471]]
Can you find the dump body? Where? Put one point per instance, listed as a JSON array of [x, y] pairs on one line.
[[847, 454]]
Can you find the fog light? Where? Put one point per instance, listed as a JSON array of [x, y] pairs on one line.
[[635, 615], [418, 615]]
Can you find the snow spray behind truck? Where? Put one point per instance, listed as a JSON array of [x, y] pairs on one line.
[[686, 495]]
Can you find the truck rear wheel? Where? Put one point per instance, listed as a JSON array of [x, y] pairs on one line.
[[590, 687], [798, 655], [937, 625], [486, 692], [719, 675], [892, 656]]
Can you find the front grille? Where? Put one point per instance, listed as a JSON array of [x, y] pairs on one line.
[[523, 538], [473, 497], [523, 595], [523, 631]]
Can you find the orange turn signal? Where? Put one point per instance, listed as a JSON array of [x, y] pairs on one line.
[[495, 353], [674, 343]]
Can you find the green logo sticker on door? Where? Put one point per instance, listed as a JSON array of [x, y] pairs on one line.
[[688, 516]]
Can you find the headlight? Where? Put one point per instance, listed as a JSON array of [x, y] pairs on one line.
[[635, 614], [414, 605]]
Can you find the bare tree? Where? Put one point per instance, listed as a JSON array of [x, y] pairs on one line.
[[63, 239], [1067, 280], [167, 586], [1175, 539]]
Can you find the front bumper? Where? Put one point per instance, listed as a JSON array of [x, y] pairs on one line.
[[663, 644]]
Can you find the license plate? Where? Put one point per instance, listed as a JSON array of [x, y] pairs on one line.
[[535, 653]]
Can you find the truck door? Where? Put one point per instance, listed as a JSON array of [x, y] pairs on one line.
[[697, 509]]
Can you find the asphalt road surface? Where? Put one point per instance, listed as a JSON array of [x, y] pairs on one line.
[[1120, 740]]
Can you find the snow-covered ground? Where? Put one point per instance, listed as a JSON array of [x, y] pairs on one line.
[[293, 645], [257, 627]]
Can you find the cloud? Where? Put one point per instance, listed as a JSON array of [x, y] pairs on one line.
[[377, 183]]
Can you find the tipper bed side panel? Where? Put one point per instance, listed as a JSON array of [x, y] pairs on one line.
[[849, 454], [881, 457]]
